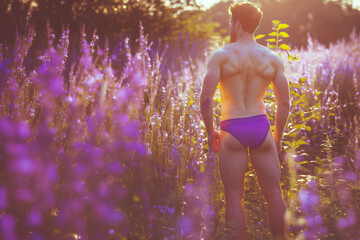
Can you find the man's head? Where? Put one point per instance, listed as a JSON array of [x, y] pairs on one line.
[[247, 15]]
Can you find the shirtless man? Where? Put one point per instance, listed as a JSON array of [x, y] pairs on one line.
[[245, 69]]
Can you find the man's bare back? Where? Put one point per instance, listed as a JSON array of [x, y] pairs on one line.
[[247, 69], [244, 70]]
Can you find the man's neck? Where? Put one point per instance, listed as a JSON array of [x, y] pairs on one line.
[[245, 37]]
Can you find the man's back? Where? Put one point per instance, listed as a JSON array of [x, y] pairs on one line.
[[247, 69]]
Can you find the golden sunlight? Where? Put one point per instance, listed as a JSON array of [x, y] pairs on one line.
[[209, 3], [356, 4]]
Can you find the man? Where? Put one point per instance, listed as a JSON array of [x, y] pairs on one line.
[[245, 69]]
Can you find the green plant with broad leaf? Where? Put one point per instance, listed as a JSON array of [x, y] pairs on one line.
[[276, 37]]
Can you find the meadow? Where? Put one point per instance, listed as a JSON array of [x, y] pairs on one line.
[[104, 152]]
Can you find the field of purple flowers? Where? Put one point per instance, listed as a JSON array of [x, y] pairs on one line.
[[105, 153]]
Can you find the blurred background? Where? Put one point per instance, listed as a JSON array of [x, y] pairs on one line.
[[177, 29], [200, 20]]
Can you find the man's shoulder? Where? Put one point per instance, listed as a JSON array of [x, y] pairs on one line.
[[220, 52], [274, 57], [267, 51], [218, 55]]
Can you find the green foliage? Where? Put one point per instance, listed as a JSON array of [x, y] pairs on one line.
[[327, 21], [259, 36], [277, 37], [162, 19], [277, 26]]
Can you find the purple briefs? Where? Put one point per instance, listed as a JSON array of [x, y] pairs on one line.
[[250, 131]]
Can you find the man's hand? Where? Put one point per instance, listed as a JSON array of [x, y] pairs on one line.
[[214, 140]]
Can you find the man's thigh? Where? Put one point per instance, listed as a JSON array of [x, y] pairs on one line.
[[265, 161], [233, 162]]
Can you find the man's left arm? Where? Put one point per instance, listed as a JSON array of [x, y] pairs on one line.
[[210, 83]]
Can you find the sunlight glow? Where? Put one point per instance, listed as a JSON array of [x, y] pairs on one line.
[[356, 4], [209, 3]]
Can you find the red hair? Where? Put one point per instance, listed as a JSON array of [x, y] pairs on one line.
[[248, 14]]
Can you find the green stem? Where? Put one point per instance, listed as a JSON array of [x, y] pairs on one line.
[[277, 38]]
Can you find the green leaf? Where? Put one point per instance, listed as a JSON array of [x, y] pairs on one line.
[[273, 34], [283, 25], [191, 102], [302, 80], [260, 36], [271, 40], [301, 142], [285, 47], [284, 35], [271, 46], [293, 58], [276, 22], [302, 162]]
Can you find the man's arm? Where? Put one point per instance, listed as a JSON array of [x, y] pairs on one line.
[[282, 95], [210, 83]]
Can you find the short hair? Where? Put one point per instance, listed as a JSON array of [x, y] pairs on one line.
[[248, 14]]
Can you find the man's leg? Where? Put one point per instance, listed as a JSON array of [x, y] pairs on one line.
[[233, 162], [266, 164]]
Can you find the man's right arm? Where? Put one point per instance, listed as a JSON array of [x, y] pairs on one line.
[[282, 95]]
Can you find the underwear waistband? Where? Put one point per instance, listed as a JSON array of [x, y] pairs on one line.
[[243, 120]]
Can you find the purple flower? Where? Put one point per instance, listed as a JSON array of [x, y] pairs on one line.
[[189, 189], [23, 130], [208, 211], [124, 94], [16, 149], [116, 167], [23, 165], [312, 184], [131, 129], [49, 74], [34, 218], [7, 227], [350, 176], [185, 225], [7, 128], [310, 234], [308, 199], [348, 221], [51, 173], [314, 219], [138, 79], [140, 149]]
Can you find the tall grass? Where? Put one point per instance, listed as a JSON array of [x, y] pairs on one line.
[[98, 155]]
